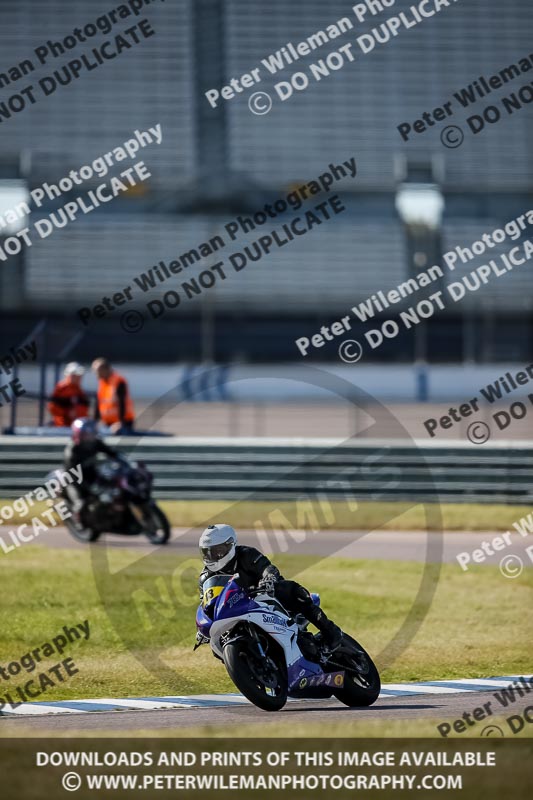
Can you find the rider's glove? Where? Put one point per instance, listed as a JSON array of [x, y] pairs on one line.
[[267, 584]]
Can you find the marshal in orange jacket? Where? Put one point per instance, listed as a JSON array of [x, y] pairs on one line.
[[114, 400], [68, 402]]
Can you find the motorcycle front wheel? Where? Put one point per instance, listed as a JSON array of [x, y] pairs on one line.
[[263, 683], [80, 533]]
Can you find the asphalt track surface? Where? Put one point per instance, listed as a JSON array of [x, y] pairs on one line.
[[387, 709], [381, 545]]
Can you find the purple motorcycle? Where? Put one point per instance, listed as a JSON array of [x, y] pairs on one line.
[[271, 656]]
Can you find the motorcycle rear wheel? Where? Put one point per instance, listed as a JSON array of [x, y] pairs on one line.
[[239, 664], [156, 526], [362, 683]]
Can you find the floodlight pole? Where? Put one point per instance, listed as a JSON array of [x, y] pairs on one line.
[[422, 226], [209, 38]]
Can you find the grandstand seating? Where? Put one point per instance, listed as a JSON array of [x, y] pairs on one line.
[[147, 85], [353, 261], [354, 112], [347, 260]]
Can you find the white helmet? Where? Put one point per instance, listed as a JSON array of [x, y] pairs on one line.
[[217, 546], [73, 368]]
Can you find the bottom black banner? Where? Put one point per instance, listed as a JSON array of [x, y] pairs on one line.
[[248, 768]]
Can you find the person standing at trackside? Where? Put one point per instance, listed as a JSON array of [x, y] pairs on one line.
[[69, 401], [114, 406]]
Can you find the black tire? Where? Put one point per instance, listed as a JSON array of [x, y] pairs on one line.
[[85, 535], [240, 669], [362, 683], [156, 526]]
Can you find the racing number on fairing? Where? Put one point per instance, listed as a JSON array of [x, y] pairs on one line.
[[211, 593]]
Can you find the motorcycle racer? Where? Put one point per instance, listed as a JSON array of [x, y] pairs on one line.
[[83, 448], [223, 556]]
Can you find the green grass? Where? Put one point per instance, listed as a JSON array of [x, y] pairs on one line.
[[477, 624], [339, 515]]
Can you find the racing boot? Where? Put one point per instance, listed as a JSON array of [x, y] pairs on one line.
[[331, 633]]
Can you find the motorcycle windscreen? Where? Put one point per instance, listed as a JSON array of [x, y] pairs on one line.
[[212, 588]]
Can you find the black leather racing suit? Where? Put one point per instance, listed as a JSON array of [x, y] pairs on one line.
[[85, 454], [253, 566]]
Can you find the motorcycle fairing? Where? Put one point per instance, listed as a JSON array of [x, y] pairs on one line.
[[232, 606], [316, 686], [227, 602]]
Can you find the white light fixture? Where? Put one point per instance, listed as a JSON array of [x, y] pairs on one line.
[[420, 204], [14, 206]]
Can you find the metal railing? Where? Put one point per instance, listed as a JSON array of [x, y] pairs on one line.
[[284, 469]]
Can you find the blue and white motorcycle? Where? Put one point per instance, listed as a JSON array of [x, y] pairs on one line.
[[271, 656]]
